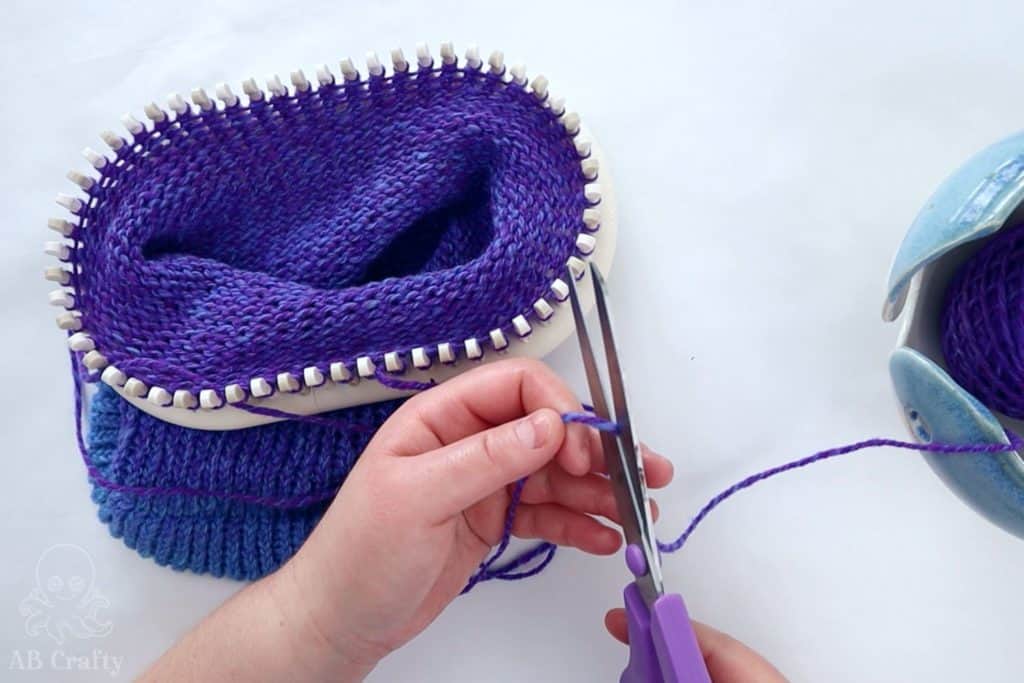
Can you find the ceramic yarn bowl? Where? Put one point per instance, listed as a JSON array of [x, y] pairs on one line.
[[983, 196]]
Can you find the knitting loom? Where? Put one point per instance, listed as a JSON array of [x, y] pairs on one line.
[[982, 197], [337, 384]]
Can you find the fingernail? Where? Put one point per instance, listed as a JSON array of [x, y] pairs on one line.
[[532, 430]]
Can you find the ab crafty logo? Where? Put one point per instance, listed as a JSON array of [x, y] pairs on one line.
[[64, 614]]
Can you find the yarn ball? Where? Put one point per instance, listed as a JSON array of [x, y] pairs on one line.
[[302, 230], [983, 323]]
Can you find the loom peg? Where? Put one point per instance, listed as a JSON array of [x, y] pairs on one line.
[[518, 74], [373, 65], [473, 60], [497, 62], [252, 90], [313, 377], [366, 367], [177, 104], [210, 399], [424, 60], [324, 76], [72, 204], [113, 140], [226, 95], [159, 396], [81, 341], [133, 125], [260, 387], [398, 61], [60, 226], [97, 160], [184, 399], [202, 100], [112, 376], [348, 70], [135, 388], [154, 113], [448, 57], [299, 80]]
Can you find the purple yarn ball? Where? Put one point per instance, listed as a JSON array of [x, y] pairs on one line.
[[983, 323]]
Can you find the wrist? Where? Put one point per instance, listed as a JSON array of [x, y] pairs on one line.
[[319, 644]]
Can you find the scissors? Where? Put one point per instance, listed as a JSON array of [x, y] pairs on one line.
[[662, 645]]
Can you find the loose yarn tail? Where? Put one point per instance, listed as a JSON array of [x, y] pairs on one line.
[[1015, 443], [487, 570], [942, 448]]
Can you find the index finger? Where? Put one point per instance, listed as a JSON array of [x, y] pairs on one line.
[[482, 398]]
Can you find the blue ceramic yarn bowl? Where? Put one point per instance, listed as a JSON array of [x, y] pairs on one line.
[[979, 199]]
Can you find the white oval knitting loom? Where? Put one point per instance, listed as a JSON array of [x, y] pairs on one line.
[[312, 393]]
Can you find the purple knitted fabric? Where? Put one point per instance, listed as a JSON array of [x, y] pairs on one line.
[[317, 227], [983, 323], [301, 230]]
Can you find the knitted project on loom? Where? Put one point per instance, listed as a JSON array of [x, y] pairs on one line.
[[301, 230]]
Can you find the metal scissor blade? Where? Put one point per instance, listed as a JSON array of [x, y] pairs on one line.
[[597, 396], [609, 442], [632, 459], [630, 494]]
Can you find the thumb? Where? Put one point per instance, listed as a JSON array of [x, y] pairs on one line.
[[465, 472]]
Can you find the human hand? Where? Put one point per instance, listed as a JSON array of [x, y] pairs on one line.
[[728, 660], [427, 500], [415, 517]]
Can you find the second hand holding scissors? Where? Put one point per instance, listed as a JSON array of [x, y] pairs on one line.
[[662, 645]]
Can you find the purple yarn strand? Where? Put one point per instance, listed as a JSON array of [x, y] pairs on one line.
[[1015, 442], [591, 420], [505, 573], [486, 570], [392, 382], [341, 425]]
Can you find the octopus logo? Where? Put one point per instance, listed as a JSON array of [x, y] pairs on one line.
[[64, 602]]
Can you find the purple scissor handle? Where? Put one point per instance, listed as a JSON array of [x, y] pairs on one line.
[[662, 644]]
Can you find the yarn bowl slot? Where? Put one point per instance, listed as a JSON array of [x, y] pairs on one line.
[[958, 280], [303, 240]]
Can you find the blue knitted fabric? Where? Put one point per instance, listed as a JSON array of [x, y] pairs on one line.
[[230, 538]]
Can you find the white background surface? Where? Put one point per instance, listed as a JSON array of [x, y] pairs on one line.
[[768, 160]]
